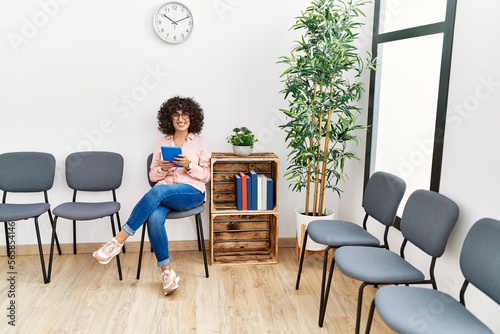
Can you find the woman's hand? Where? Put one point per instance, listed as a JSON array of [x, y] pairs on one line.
[[166, 165], [182, 160]]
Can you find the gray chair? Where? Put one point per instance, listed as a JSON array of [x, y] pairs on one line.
[[427, 221], [381, 200], [402, 307], [26, 172], [95, 172], [196, 212]]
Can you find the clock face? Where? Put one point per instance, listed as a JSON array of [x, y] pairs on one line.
[[173, 22]]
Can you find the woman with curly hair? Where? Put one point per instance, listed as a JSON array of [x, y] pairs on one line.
[[180, 120]]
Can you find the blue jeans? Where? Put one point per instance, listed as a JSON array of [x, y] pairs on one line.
[[154, 207]]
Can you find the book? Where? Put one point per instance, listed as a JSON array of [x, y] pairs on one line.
[[237, 192], [168, 153], [263, 203], [270, 194], [254, 193], [249, 192], [244, 191], [259, 192]]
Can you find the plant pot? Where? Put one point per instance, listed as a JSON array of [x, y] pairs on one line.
[[242, 150], [301, 223]]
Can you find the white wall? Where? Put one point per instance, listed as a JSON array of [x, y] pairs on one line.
[[83, 79], [79, 75], [471, 161]]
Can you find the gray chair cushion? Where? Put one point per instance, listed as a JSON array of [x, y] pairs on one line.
[[86, 211], [14, 212], [375, 265], [430, 311], [184, 214], [337, 233]]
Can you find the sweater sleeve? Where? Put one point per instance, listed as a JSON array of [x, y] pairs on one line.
[[155, 172], [201, 169]]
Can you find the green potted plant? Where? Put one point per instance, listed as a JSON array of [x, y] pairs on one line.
[[323, 88], [242, 140]]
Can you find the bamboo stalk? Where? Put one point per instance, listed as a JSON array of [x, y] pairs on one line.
[[317, 173], [325, 154], [308, 183]]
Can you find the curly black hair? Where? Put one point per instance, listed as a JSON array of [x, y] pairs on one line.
[[187, 105]]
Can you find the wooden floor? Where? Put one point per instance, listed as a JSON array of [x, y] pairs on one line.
[[87, 297]]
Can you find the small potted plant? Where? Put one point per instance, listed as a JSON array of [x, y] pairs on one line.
[[242, 140]]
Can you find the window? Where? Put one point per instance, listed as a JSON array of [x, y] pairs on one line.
[[412, 41]]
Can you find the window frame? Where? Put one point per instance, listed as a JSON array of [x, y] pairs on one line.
[[446, 28]]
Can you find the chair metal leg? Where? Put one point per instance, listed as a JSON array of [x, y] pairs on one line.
[[74, 236], [119, 224], [51, 218], [51, 255], [201, 241], [113, 229], [325, 291], [40, 251], [360, 303], [141, 247], [370, 318], [7, 239], [120, 276], [301, 261], [198, 231]]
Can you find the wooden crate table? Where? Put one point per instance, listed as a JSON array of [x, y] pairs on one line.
[[242, 236]]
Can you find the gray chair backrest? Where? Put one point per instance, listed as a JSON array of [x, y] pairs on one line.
[[148, 165], [94, 171], [480, 257], [383, 195], [428, 219], [27, 171]]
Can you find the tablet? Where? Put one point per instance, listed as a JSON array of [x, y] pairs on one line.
[[170, 152]]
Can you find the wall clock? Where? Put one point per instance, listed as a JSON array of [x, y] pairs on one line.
[[173, 22]]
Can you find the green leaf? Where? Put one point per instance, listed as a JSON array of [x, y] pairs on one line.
[[321, 75]]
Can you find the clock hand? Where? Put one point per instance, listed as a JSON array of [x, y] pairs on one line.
[[173, 22], [187, 17]]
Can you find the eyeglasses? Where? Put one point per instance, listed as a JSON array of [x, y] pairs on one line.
[[177, 115]]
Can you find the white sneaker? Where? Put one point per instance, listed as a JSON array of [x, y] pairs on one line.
[[108, 251], [170, 281]]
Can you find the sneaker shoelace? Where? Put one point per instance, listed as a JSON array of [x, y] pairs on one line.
[[108, 247], [168, 278]]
